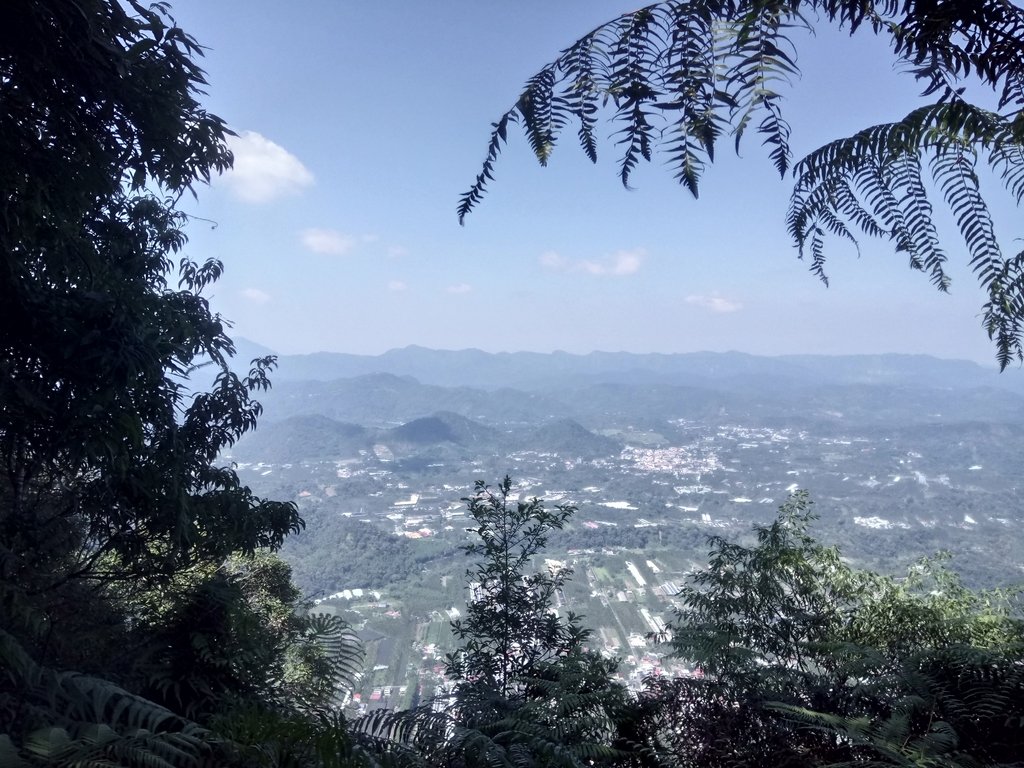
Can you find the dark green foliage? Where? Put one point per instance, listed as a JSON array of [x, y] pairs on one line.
[[261, 739], [116, 516], [803, 661], [510, 629], [106, 451], [340, 554], [525, 690], [66, 718], [679, 75], [241, 634]]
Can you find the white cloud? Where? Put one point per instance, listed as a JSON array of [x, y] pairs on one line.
[[327, 241], [715, 303], [619, 264], [397, 251], [264, 171], [459, 288], [552, 260], [397, 285], [255, 295]]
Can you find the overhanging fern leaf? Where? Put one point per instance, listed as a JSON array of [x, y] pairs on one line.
[[676, 75], [542, 114], [632, 56], [499, 135], [761, 62]]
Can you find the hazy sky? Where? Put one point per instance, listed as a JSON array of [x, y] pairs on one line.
[[361, 123]]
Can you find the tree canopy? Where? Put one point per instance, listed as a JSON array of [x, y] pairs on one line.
[[137, 598], [802, 660], [144, 618], [677, 78], [796, 658]]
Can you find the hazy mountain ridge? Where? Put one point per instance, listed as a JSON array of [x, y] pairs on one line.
[[337, 419], [441, 427], [730, 370], [320, 438], [384, 401], [387, 400]]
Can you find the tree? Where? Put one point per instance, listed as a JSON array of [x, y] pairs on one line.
[[510, 629], [112, 496], [524, 683], [240, 635], [678, 76], [802, 660], [100, 139], [525, 690]]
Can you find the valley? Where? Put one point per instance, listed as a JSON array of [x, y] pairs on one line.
[[897, 471]]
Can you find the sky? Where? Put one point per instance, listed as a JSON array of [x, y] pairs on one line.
[[360, 124]]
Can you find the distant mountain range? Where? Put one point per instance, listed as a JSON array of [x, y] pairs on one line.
[[441, 435], [416, 401], [733, 371]]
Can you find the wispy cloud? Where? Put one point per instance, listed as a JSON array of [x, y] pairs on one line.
[[459, 288], [256, 295], [328, 241], [264, 171], [715, 303], [396, 286], [552, 260], [619, 264]]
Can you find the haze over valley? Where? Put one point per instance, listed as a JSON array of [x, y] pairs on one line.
[[904, 456]]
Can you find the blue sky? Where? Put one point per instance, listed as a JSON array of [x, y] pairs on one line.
[[361, 123]]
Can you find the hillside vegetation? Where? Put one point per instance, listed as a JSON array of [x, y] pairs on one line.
[[149, 617]]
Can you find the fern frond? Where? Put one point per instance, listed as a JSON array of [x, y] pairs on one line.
[[761, 61], [632, 56], [677, 75], [499, 135], [873, 181], [342, 646], [692, 81], [541, 113]]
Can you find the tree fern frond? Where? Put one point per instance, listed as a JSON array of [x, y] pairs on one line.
[[946, 42], [757, 49], [1007, 159], [86, 720], [691, 81], [677, 74], [953, 168], [882, 165], [582, 97], [499, 135], [905, 173], [954, 171], [541, 114], [343, 648], [1004, 311], [632, 56]]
